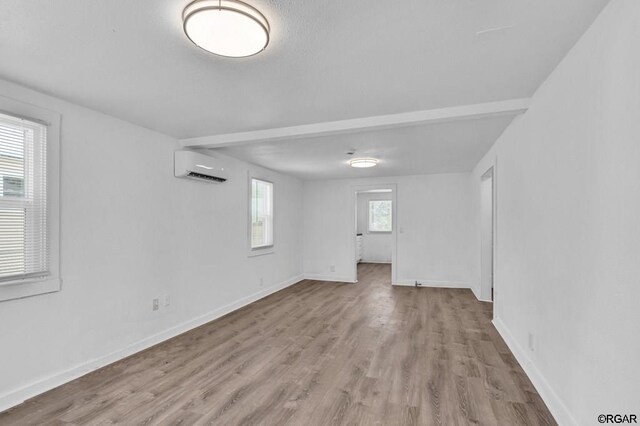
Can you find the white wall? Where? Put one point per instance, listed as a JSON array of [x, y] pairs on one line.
[[130, 232], [434, 220], [376, 246], [568, 225]]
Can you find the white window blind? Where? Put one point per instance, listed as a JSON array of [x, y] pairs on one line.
[[380, 215], [261, 214], [23, 199]]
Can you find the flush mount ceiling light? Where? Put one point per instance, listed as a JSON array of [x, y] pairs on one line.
[[226, 27], [362, 163]]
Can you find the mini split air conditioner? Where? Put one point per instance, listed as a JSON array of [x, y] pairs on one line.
[[192, 165]]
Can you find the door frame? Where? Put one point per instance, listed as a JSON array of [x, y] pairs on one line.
[[354, 189], [488, 294]]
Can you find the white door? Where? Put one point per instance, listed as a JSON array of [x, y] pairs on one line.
[[486, 225]]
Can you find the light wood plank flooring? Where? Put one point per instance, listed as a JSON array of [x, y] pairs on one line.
[[314, 354]]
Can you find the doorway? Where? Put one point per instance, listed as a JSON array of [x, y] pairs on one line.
[[374, 236], [487, 234]]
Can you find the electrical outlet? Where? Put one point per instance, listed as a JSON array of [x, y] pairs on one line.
[[531, 342], [156, 304], [167, 300], [332, 268], [261, 281]]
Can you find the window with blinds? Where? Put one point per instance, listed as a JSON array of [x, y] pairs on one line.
[[23, 199]]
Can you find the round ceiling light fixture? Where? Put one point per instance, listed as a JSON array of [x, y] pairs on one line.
[[226, 27], [362, 163]]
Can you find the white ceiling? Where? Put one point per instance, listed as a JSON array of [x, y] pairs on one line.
[[327, 60], [454, 146]]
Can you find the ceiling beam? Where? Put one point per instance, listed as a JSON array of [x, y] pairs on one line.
[[465, 112]]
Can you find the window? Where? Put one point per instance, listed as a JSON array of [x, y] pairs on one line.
[[261, 214], [12, 186], [29, 200], [380, 216], [23, 199]]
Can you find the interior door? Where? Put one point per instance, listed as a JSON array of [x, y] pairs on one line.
[[486, 223]]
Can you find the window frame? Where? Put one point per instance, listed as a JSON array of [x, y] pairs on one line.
[[369, 230], [266, 249], [25, 287]]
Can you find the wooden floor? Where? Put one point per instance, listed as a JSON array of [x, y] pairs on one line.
[[314, 354]]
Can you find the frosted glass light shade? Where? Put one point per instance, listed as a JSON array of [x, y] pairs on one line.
[[362, 163], [226, 27]]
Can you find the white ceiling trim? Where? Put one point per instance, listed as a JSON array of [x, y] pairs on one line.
[[489, 109]]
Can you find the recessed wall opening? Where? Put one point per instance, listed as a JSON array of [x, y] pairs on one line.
[[374, 226]]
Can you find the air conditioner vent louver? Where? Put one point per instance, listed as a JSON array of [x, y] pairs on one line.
[[205, 177], [196, 166]]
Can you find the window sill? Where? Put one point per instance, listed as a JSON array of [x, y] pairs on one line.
[[261, 251], [19, 289]]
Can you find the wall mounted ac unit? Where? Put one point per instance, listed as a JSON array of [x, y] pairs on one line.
[[192, 165]]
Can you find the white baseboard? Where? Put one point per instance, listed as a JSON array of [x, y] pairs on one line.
[[432, 283], [318, 277], [18, 396], [379, 262], [555, 405], [475, 293]]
